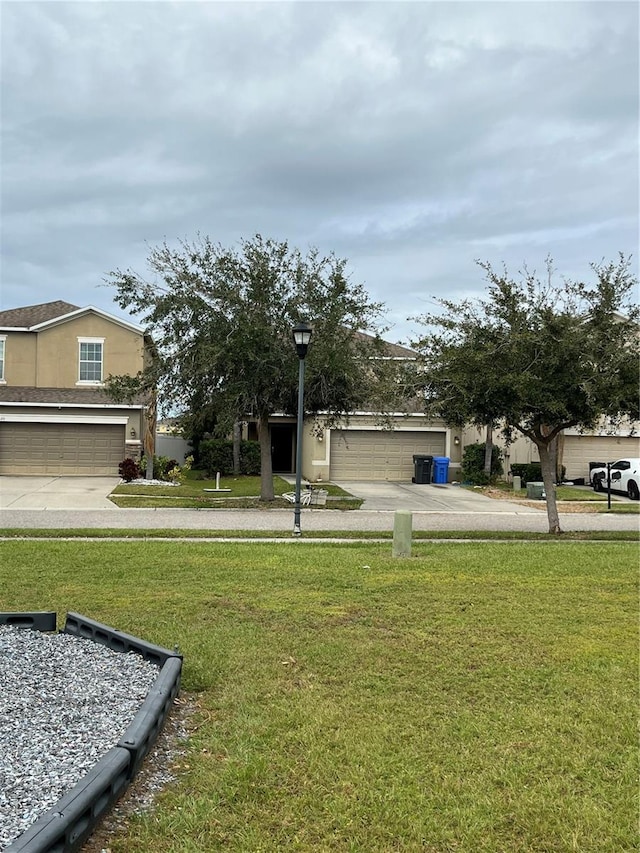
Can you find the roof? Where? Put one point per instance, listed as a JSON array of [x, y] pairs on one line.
[[391, 350], [33, 315], [33, 318], [60, 396]]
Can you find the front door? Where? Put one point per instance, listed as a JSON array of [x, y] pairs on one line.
[[282, 448]]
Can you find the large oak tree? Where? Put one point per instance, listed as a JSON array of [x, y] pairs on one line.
[[536, 357], [221, 319]]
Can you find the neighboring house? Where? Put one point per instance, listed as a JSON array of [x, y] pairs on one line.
[[361, 448], [577, 449], [55, 417]]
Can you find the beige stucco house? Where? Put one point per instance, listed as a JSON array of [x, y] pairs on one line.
[[55, 417], [605, 444], [361, 448]]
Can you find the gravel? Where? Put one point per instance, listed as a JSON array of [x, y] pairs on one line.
[[64, 702]]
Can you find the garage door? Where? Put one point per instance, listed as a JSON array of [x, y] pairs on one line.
[[27, 448], [371, 455], [579, 450]]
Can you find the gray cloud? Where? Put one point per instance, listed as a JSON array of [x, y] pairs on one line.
[[410, 138]]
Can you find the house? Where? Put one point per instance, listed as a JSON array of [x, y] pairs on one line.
[[361, 448], [55, 417], [604, 444]]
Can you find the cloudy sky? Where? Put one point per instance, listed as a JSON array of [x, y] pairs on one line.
[[411, 138]]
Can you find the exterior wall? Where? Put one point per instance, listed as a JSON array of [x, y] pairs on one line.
[[20, 359], [316, 450], [57, 350]]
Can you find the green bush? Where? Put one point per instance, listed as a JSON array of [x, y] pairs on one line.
[[216, 454], [473, 464], [530, 472], [161, 467], [250, 458]]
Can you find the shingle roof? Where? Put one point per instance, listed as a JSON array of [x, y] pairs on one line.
[[391, 350], [32, 315], [60, 396]]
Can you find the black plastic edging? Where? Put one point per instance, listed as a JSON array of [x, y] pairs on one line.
[[149, 720], [65, 827], [117, 641], [41, 620]]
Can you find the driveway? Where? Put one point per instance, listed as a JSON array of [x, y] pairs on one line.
[[56, 492], [382, 495]]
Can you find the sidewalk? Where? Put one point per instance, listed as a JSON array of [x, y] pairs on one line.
[[311, 519]]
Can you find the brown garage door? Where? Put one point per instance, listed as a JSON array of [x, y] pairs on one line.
[[579, 450], [371, 455], [31, 448]]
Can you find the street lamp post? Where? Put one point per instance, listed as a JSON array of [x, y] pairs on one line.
[[301, 338]]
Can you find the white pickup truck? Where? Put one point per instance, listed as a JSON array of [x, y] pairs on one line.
[[625, 477]]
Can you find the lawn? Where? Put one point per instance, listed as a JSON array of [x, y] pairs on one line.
[[475, 698], [195, 492]]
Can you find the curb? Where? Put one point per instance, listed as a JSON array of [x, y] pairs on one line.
[[68, 824]]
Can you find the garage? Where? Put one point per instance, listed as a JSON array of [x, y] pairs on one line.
[[579, 450], [61, 448], [380, 455]]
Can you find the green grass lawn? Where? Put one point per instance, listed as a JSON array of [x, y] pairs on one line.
[[192, 493], [476, 697]]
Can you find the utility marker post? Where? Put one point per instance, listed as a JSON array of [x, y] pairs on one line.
[[402, 520]]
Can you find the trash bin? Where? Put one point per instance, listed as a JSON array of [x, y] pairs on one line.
[[535, 491], [422, 468], [440, 469]]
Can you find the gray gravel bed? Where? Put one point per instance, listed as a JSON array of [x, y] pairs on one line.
[[64, 702]]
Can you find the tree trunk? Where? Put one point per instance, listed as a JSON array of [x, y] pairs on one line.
[[149, 442], [488, 450], [237, 434], [266, 469], [548, 477]]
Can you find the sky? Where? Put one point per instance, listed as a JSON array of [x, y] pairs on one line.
[[411, 138]]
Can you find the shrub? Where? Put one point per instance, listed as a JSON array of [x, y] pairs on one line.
[[129, 470], [473, 464], [530, 472], [250, 458], [161, 467], [216, 454]]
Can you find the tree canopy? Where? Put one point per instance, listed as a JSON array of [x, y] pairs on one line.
[[221, 319], [536, 357]]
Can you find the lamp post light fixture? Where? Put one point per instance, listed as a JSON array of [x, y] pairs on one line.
[[301, 337]]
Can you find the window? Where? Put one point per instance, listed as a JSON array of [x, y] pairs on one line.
[[90, 360], [2, 340]]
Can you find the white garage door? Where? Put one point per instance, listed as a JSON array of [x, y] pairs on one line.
[[579, 450], [378, 455], [31, 448]]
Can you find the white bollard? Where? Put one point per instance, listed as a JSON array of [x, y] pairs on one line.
[[517, 483]]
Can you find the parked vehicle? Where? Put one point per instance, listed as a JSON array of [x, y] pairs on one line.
[[625, 478]]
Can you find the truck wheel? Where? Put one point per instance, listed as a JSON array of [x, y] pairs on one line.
[[632, 491]]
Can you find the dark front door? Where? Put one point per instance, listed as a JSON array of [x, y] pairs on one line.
[[282, 446]]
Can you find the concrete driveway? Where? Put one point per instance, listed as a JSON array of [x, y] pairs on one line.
[[56, 492], [382, 495]]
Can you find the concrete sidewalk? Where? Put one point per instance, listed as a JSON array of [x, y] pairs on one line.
[[311, 519]]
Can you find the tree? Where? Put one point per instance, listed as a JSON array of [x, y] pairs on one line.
[[536, 357], [222, 318]]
